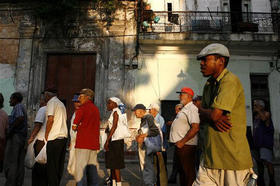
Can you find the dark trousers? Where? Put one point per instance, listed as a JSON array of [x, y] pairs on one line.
[[186, 164], [55, 160], [39, 172], [14, 160]]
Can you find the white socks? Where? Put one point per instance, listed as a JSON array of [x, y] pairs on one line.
[[114, 183]]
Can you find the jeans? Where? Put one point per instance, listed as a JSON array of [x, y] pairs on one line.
[[14, 160]]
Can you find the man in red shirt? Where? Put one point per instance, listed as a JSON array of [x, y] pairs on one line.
[[86, 123]]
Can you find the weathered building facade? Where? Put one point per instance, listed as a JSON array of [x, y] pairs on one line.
[[93, 54]]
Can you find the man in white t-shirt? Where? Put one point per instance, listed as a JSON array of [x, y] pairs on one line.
[[38, 133], [183, 133], [56, 136]]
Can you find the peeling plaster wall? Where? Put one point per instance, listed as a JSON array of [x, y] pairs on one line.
[[8, 56], [261, 5]]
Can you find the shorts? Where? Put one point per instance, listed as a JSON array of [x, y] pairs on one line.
[[114, 158], [214, 177], [266, 154]]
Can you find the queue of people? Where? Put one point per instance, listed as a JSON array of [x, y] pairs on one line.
[[208, 134]]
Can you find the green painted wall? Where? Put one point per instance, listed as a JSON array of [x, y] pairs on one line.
[[7, 88]]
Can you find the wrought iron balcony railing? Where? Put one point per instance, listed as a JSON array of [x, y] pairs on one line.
[[209, 22]]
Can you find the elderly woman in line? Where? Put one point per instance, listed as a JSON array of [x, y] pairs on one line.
[[114, 146]]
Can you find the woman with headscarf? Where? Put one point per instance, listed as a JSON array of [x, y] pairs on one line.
[[114, 146]]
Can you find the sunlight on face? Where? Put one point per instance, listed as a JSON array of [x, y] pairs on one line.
[[139, 113], [83, 98]]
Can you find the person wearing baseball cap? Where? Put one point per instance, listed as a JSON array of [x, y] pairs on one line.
[[225, 148], [183, 133], [73, 134], [147, 128]]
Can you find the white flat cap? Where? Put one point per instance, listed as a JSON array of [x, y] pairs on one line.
[[214, 48]]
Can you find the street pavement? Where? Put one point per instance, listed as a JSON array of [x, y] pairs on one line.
[[130, 175]]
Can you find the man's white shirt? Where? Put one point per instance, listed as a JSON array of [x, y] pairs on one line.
[[57, 109], [182, 124], [41, 118]]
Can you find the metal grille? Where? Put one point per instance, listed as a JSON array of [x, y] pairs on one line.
[[207, 22]]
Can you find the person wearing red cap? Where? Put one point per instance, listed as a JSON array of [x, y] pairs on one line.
[[183, 133]]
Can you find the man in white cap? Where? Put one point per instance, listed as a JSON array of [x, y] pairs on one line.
[[226, 157], [161, 157], [154, 111]]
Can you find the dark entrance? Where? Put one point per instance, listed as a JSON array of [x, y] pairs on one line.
[[235, 14], [69, 73], [168, 109], [259, 89]]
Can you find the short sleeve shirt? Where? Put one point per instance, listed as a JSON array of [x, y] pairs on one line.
[[159, 119], [57, 109], [226, 150], [21, 129], [87, 118], [182, 124], [41, 118]]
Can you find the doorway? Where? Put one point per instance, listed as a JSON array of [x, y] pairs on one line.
[[259, 89], [235, 14], [68, 74]]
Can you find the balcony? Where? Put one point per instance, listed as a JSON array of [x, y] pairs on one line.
[[210, 22]]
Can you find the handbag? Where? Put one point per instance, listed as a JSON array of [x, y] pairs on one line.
[[153, 144]]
